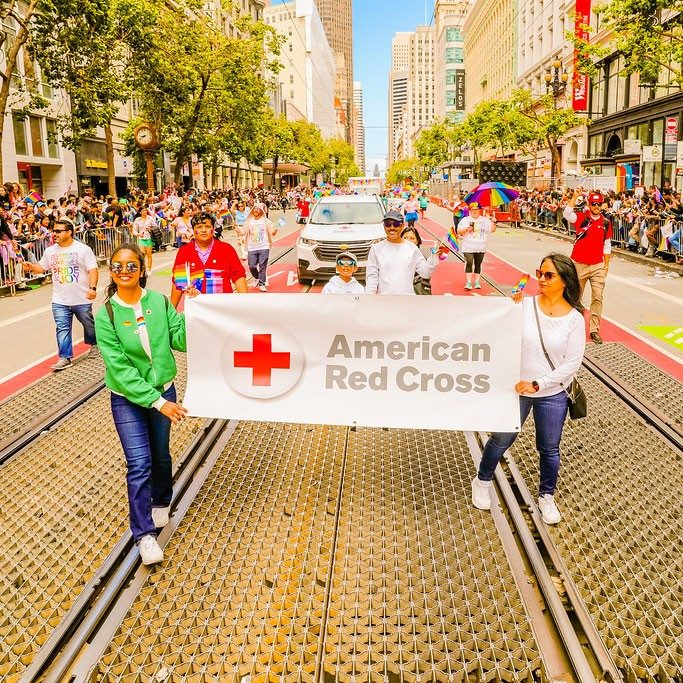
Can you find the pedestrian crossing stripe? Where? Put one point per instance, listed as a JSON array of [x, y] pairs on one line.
[[668, 333]]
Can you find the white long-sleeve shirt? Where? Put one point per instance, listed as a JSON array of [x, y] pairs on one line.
[[565, 341], [337, 286], [392, 267]]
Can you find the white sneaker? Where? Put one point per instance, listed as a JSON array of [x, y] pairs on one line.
[[549, 512], [94, 351], [481, 494], [263, 288], [150, 550], [160, 517], [61, 364]]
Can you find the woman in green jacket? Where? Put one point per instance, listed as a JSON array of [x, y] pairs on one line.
[[137, 332]]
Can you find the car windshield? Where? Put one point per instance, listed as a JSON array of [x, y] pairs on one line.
[[347, 213]]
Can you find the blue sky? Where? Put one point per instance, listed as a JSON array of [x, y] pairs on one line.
[[374, 24]]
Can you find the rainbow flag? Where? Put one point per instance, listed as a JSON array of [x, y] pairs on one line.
[[521, 284], [222, 213], [183, 276], [33, 197], [452, 239]]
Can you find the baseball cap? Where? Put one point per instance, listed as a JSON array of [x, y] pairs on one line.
[[595, 198], [393, 215], [347, 255], [474, 205]]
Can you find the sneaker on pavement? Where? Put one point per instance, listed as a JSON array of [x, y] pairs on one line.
[[477, 285], [94, 351], [160, 517], [595, 336], [468, 285], [481, 494], [263, 288], [150, 550], [549, 512], [61, 364]]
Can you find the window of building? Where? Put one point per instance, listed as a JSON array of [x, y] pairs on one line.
[[451, 56], [36, 136], [658, 131], [19, 135], [291, 94], [451, 97], [597, 105], [595, 145], [453, 34], [52, 146], [291, 78]]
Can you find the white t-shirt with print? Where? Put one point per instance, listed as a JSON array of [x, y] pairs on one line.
[[257, 233], [69, 267]]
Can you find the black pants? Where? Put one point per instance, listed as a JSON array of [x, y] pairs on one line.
[[473, 258]]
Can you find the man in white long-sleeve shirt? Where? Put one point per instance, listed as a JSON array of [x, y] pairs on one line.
[[591, 252], [392, 264]]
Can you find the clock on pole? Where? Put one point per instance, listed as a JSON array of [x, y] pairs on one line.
[[145, 136]]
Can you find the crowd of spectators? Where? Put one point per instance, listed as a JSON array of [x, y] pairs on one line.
[[647, 220], [27, 220]]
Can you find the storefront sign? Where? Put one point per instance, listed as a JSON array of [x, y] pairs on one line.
[[632, 147], [652, 153], [375, 361], [95, 163], [580, 81]]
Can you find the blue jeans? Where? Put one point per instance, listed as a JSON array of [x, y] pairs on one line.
[[258, 262], [550, 413], [145, 435], [63, 316]]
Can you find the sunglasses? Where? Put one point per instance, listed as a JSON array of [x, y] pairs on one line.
[[546, 275], [596, 203], [57, 230], [393, 224], [130, 267], [346, 262]]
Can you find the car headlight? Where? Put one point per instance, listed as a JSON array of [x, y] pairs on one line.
[[309, 242]]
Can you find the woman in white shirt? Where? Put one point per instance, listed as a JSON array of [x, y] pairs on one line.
[[474, 231], [543, 389]]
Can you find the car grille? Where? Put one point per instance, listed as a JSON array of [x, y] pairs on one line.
[[330, 250]]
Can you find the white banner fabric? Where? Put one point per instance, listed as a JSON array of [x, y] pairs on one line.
[[414, 362]]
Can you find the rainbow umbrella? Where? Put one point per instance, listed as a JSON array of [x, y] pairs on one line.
[[492, 194]]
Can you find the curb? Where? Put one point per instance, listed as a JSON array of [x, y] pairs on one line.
[[616, 251]]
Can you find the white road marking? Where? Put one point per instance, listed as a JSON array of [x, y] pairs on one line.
[[650, 290], [671, 335], [272, 275], [292, 278]]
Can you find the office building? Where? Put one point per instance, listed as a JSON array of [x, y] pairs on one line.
[[358, 126]]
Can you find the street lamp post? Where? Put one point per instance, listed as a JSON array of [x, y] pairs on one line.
[[555, 84]]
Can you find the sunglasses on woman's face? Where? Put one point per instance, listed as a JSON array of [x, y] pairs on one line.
[[130, 267], [546, 275]]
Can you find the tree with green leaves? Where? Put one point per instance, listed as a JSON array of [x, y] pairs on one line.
[[90, 49], [402, 169], [336, 154], [432, 145], [547, 123], [648, 33]]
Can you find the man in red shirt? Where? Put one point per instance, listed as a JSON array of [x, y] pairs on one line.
[[591, 252], [207, 262], [304, 208]]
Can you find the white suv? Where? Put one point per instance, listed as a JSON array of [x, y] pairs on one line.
[[338, 223]]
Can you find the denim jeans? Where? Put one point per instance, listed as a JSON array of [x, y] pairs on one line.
[[145, 434], [63, 316], [550, 413], [258, 262]]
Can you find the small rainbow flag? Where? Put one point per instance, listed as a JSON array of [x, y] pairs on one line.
[[33, 197], [452, 239], [461, 211], [521, 284], [222, 213], [183, 276]]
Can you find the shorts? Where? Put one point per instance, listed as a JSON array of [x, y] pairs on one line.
[[412, 216], [146, 243]]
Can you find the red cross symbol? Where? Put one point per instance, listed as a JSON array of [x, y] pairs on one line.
[[262, 360]]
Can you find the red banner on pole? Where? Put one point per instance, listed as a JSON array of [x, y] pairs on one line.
[[580, 81]]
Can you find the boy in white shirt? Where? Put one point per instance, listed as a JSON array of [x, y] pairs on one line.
[[344, 282]]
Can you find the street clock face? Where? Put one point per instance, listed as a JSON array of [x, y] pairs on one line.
[[145, 137]]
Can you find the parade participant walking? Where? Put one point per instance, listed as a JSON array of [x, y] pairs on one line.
[[410, 208], [421, 285], [344, 282], [73, 268], [183, 226], [424, 203], [206, 261], [138, 329], [240, 213], [591, 252], [392, 263], [474, 230], [143, 227], [552, 321], [259, 232]]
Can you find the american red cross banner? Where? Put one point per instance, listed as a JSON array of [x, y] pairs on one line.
[[373, 361]]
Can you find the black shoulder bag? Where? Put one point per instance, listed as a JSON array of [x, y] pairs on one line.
[[578, 404]]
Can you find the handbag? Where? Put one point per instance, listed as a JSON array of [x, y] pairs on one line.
[[578, 403]]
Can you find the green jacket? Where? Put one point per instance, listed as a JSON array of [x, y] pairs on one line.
[[128, 369]]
